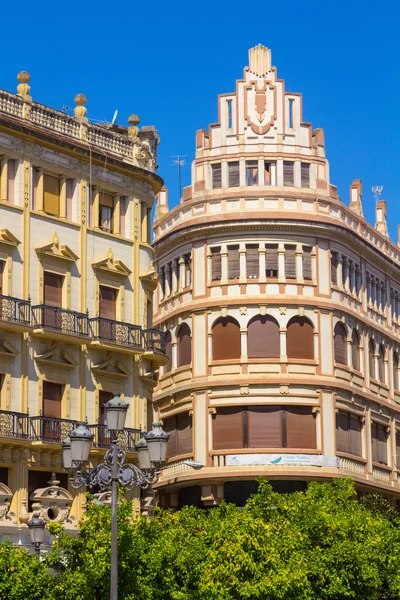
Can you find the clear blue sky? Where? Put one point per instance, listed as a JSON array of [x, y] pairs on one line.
[[167, 61]]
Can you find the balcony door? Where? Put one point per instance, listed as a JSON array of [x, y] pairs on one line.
[[52, 300], [107, 312], [51, 410], [3, 303], [104, 434]]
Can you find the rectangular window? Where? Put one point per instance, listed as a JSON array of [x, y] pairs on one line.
[[2, 391], [52, 395], [233, 262], [216, 264], [233, 174], [229, 113], [181, 431], [2, 263], [170, 273], [379, 444], [251, 172], [291, 102], [106, 212], [216, 176], [122, 212], [305, 175], [11, 175], [264, 427], [307, 268], [162, 280], [108, 302], [252, 262], [290, 262], [267, 173], [334, 268], [300, 427], [188, 269], [70, 185], [51, 195], [288, 172], [271, 261], [53, 285], [398, 450], [348, 433], [227, 428]]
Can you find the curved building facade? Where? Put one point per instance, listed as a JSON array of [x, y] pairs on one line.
[[280, 306]]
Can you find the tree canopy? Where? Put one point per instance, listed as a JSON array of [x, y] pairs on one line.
[[321, 544]]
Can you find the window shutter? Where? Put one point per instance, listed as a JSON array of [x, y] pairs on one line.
[[264, 427], [53, 289], [184, 433], [307, 268], [290, 262], [379, 445], [305, 175], [215, 264], [263, 338], [216, 176], [233, 262], [355, 435], [188, 269], [288, 172], [226, 342], [69, 185], [381, 362], [122, 212], [340, 344], [334, 265], [233, 174], [395, 370], [252, 262], [11, 172], [300, 427], [104, 397], [170, 427], [1, 276], [184, 346], [51, 400], [228, 429], [108, 303], [398, 449], [106, 200], [168, 352], [271, 260], [371, 360], [51, 195], [300, 339], [355, 352], [342, 431]]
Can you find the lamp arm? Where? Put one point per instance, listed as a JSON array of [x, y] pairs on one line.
[[130, 476]]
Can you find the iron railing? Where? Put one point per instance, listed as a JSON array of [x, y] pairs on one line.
[[154, 340], [15, 310], [50, 429], [13, 424], [116, 332], [103, 437], [61, 319]]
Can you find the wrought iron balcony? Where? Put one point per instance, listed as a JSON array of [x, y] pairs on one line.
[[103, 437], [50, 429], [62, 320], [116, 332], [154, 340], [15, 310], [13, 424]]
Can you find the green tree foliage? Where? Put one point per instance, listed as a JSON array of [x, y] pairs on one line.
[[322, 544], [23, 576]]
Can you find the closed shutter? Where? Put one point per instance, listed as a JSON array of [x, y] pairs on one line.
[[104, 397], [69, 197], [106, 199], [300, 339], [264, 427], [271, 261], [226, 342], [334, 266], [381, 362], [52, 400], [122, 211], [371, 360], [1, 276], [233, 174], [184, 346], [216, 176], [108, 302], [290, 262], [51, 195], [228, 429], [252, 262], [355, 352], [300, 428], [184, 433], [170, 428], [168, 352], [305, 175], [355, 435], [379, 445], [340, 344], [395, 369], [307, 268], [398, 450], [288, 172], [263, 338], [11, 173], [215, 264], [53, 289], [233, 262], [342, 432]]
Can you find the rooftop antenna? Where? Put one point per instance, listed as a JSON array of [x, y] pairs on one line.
[[114, 119], [179, 162], [377, 191]]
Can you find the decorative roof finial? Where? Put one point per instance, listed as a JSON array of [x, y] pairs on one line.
[[80, 110], [133, 130], [23, 88], [259, 60]]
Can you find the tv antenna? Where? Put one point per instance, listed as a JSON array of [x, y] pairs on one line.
[[377, 191], [179, 162], [114, 119]]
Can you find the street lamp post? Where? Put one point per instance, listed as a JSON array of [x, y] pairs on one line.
[[36, 529], [151, 448]]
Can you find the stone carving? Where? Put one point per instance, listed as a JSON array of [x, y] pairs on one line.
[[6, 517], [17, 145], [52, 503]]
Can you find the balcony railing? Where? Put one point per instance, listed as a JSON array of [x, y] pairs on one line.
[[15, 310], [103, 437], [116, 332], [154, 340], [61, 319], [50, 429], [13, 424]]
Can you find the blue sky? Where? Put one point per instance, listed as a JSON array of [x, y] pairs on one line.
[[167, 61]]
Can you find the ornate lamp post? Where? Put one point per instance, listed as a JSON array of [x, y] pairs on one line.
[[36, 529], [151, 449]]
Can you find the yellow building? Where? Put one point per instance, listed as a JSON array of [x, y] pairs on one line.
[[76, 288]]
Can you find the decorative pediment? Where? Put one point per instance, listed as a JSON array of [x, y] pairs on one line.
[[111, 266], [111, 368], [8, 239], [6, 517], [150, 278], [56, 250], [55, 357], [51, 503], [7, 350]]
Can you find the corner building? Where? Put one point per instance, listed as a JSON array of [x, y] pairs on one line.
[[281, 310], [76, 292]]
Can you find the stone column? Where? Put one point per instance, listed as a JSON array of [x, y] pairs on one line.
[[282, 333]]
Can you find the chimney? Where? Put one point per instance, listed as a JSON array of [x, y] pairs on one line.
[[381, 224], [356, 197], [161, 203]]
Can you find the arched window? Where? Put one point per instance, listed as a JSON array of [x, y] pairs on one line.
[[263, 338], [300, 338], [184, 342], [355, 350], [226, 339], [168, 352], [340, 344], [371, 359], [396, 372], [381, 364]]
